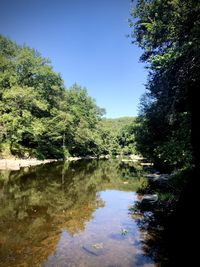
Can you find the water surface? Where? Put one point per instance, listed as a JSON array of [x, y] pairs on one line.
[[72, 214]]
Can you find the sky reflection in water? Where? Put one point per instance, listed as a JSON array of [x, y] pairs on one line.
[[72, 214]]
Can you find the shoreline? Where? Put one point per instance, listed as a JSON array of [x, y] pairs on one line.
[[13, 164], [16, 164]]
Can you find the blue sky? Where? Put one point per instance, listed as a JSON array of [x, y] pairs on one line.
[[86, 43]]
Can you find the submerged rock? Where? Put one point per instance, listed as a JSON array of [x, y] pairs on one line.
[[95, 249]]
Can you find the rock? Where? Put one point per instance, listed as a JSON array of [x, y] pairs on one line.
[[97, 245], [149, 199], [94, 249], [158, 178]]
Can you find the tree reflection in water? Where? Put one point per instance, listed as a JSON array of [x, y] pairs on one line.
[[37, 203]]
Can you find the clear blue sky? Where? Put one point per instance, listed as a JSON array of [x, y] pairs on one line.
[[86, 42]]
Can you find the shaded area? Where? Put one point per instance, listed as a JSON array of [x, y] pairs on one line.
[[169, 223]]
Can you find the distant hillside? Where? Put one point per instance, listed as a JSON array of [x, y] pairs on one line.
[[115, 125]]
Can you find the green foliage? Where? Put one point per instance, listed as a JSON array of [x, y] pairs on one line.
[[115, 125], [118, 135], [168, 33], [84, 137], [126, 139], [38, 116]]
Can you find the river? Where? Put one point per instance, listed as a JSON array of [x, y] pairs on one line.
[[72, 214]]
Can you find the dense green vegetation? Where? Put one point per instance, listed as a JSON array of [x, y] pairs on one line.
[[168, 32], [40, 118], [119, 135], [167, 131]]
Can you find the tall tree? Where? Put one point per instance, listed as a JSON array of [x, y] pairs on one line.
[[84, 137], [38, 115], [168, 32]]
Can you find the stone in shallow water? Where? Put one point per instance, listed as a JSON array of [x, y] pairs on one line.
[[95, 249]]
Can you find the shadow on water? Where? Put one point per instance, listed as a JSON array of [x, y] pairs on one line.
[[70, 214], [152, 222], [168, 229]]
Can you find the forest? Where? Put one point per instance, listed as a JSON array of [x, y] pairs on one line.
[[41, 118], [168, 33], [167, 129]]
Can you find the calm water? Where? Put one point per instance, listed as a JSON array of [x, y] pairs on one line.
[[72, 214]]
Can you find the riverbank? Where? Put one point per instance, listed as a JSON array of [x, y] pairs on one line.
[[16, 164], [87, 157]]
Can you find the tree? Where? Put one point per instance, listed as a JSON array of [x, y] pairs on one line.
[[29, 90], [38, 116], [168, 32], [84, 137], [126, 139], [41, 118]]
